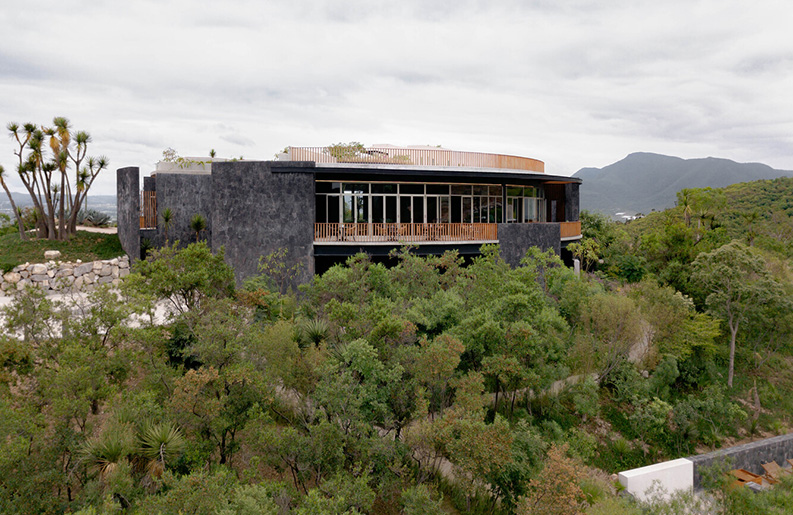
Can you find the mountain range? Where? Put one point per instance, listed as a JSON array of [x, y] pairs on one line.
[[643, 182]]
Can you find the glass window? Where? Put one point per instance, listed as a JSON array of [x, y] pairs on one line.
[[437, 189], [321, 209], [356, 188], [467, 210], [378, 208], [457, 210], [444, 210], [384, 188], [362, 209], [411, 188], [333, 209], [405, 210], [460, 189], [480, 190], [390, 210], [495, 191], [432, 210], [348, 209], [418, 210], [514, 191]]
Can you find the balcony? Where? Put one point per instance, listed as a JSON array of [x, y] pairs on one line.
[[420, 233], [407, 233], [411, 156]]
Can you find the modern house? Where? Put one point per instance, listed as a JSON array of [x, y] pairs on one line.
[[324, 204]]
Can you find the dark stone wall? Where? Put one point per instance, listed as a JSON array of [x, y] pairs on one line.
[[261, 206], [128, 210], [515, 239], [149, 183], [572, 205], [187, 194], [748, 456]]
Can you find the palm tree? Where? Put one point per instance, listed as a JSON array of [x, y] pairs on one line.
[[198, 223], [17, 212]]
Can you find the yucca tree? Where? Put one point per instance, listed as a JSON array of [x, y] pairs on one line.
[[167, 218], [104, 453], [159, 443], [45, 156], [198, 224], [17, 212]]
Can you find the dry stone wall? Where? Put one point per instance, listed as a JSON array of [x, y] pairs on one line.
[[60, 276]]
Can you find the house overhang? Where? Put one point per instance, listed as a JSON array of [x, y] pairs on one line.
[[444, 174]]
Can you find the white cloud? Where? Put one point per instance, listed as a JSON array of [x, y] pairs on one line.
[[574, 83]]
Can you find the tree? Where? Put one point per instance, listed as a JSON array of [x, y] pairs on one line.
[[55, 196], [17, 212], [167, 219], [737, 285], [198, 224]]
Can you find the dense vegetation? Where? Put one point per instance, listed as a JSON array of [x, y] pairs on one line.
[[428, 387]]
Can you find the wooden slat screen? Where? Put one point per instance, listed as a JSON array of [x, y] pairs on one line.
[[148, 209]]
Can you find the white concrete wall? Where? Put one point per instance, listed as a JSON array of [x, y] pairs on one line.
[[671, 476]]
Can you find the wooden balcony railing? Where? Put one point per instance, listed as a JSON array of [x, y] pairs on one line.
[[413, 156], [148, 209], [373, 233], [570, 229]]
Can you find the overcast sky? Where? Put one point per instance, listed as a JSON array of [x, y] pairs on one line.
[[573, 83]]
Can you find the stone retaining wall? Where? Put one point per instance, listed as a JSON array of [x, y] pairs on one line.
[[60, 276]]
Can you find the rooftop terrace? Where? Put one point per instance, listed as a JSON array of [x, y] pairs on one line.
[[417, 156]]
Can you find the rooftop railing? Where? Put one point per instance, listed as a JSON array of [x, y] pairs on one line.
[[412, 156]]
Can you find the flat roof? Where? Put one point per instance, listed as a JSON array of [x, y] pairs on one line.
[[435, 173]]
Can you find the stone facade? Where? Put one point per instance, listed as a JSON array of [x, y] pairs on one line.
[[60, 276], [259, 207], [515, 239]]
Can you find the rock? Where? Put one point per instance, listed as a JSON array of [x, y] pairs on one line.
[[12, 277], [105, 279], [114, 261], [24, 274], [89, 277], [105, 270], [83, 269], [123, 272], [97, 266], [114, 270], [50, 273], [39, 278], [65, 272], [77, 284], [52, 254], [38, 269]]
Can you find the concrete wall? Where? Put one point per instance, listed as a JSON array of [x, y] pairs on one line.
[[187, 195], [671, 476], [261, 206], [572, 204], [128, 210], [748, 456], [515, 239]]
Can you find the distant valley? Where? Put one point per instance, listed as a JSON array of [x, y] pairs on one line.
[[643, 182], [102, 203]]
